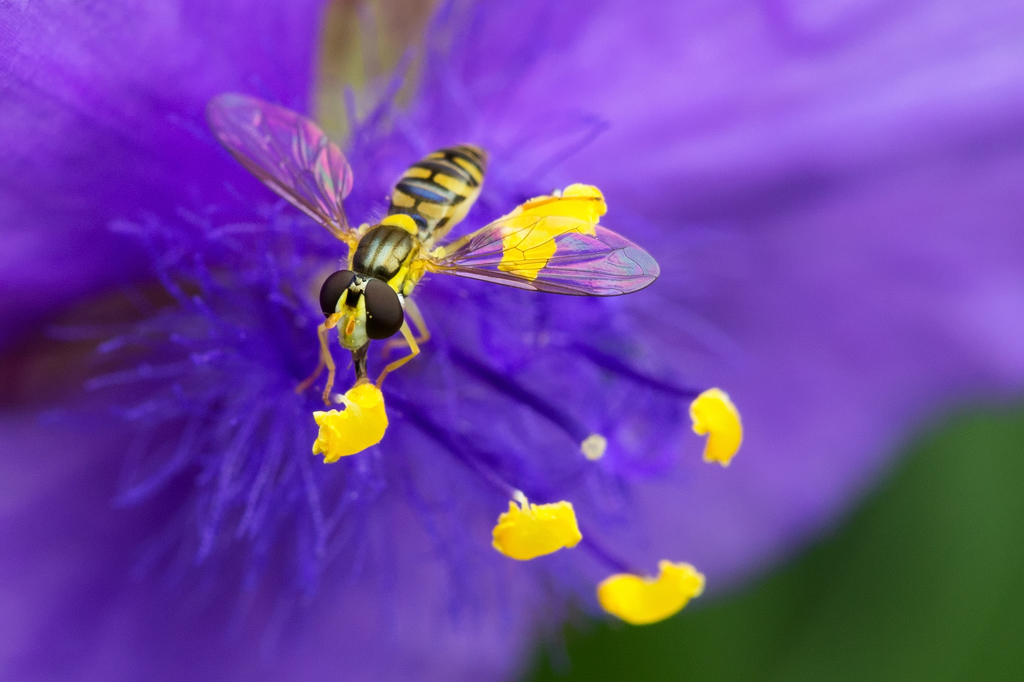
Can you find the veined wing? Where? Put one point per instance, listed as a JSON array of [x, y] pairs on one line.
[[288, 152], [555, 254]]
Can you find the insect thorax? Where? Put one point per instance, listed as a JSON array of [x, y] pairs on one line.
[[437, 191], [383, 251]]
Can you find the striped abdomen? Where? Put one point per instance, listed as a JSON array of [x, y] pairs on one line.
[[438, 191]]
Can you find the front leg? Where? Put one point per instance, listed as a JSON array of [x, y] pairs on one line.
[[326, 359], [414, 350]]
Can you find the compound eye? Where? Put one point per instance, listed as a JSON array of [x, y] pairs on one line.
[[384, 314], [334, 286]]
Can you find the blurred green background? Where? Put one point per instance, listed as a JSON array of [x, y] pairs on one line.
[[924, 581]]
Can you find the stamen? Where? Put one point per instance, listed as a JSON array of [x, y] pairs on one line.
[[526, 531], [713, 413], [613, 364], [594, 446], [532, 530], [481, 463], [506, 385], [641, 601], [361, 424]]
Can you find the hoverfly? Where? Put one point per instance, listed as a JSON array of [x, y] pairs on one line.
[[550, 244]]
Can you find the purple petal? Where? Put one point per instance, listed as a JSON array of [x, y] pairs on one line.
[[859, 167], [100, 121], [830, 194], [81, 598], [904, 307]]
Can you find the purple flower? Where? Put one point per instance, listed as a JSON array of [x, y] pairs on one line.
[[830, 193]]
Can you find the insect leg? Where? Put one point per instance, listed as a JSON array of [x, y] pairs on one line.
[[414, 350], [330, 323], [308, 381], [412, 311], [326, 360]]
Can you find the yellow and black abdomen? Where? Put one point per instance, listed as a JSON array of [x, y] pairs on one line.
[[439, 190]]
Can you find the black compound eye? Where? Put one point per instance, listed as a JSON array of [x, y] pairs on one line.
[[334, 286], [384, 314]]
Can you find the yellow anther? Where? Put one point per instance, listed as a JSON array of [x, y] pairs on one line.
[[403, 221], [640, 601], [583, 202], [714, 414], [534, 530], [361, 424], [527, 251]]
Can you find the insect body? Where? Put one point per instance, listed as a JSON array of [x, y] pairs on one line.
[[438, 191], [428, 200], [551, 244]]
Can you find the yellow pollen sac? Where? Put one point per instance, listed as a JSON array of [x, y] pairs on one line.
[[714, 414], [534, 530], [361, 424], [527, 251], [583, 202], [640, 601]]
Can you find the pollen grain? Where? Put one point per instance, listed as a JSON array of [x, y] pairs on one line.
[[534, 530], [713, 413], [640, 601], [360, 425]]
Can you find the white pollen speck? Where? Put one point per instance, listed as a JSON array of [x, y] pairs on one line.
[[593, 446]]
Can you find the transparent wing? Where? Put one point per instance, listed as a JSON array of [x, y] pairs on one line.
[[555, 254], [288, 152]]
